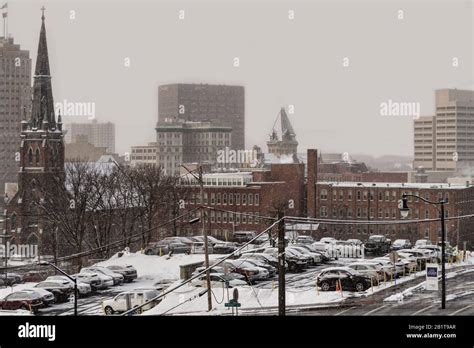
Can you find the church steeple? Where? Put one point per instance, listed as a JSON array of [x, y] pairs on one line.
[[43, 104]]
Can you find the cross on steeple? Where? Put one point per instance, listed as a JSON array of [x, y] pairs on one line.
[[42, 11]]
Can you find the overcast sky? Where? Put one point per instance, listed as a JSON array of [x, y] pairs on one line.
[[282, 61]]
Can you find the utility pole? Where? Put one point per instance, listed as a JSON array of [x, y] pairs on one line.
[[206, 249], [443, 268], [281, 266]]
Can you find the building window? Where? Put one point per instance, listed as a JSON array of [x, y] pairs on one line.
[[365, 195], [387, 213], [323, 194], [250, 199], [37, 156], [358, 195], [237, 198], [244, 199], [224, 198], [13, 221], [349, 212], [231, 199], [380, 213], [359, 212], [349, 195], [323, 211], [341, 195], [30, 156], [205, 198], [371, 212], [213, 198], [427, 214], [380, 196], [334, 195], [257, 199]]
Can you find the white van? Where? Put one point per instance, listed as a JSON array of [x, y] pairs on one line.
[[130, 299]]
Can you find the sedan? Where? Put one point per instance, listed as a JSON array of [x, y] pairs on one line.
[[128, 271], [83, 289], [105, 280], [218, 280], [60, 289], [117, 277]]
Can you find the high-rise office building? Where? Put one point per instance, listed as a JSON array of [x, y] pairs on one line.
[[15, 103], [445, 142], [189, 142], [98, 134], [220, 104]]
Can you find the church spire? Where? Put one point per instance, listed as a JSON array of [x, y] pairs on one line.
[[43, 104]]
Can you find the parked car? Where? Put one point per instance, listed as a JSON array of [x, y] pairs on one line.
[[128, 271], [250, 271], [130, 299], [217, 280], [328, 240], [268, 258], [409, 261], [33, 276], [11, 279], [372, 270], [296, 262], [117, 277], [315, 258], [349, 279], [200, 248], [225, 247], [243, 236], [167, 247], [357, 242], [304, 240], [210, 239], [60, 289], [46, 296], [398, 269], [27, 300], [322, 254], [421, 256], [258, 263], [94, 280], [377, 245], [401, 244], [422, 242], [83, 289], [263, 238]]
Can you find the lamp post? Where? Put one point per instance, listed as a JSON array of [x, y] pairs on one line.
[[45, 263], [204, 232], [404, 210]]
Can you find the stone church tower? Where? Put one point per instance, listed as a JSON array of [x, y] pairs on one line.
[[41, 154]]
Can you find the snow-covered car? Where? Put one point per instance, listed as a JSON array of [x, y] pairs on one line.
[[315, 257], [27, 300], [225, 247], [398, 269], [408, 260], [296, 262], [422, 242], [90, 278], [267, 258], [372, 270], [401, 244], [250, 271], [130, 299], [304, 240], [46, 296], [83, 289], [217, 281], [60, 289], [328, 240], [117, 277], [357, 242], [105, 280], [259, 263], [200, 248], [128, 271]]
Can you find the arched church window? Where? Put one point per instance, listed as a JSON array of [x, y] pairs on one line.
[[30, 156], [37, 155]]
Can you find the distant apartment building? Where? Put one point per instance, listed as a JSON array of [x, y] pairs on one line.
[[219, 104], [181, 142], [15, 105], [445, 142], [144, 154], [350, 201], [82, 150], [99, 134]]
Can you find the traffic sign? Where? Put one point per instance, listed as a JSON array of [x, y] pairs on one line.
[[232, 303]]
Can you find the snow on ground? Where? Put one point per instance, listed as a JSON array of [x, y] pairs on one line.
[[153, 268]]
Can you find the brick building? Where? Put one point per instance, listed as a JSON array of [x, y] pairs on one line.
[[259, 192]]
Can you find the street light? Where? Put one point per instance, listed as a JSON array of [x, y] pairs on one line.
[[204, 231], [45, 263], [404, 210]]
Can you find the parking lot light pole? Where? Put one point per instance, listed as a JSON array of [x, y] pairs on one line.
[[45, 263], [404, 210], [204, 232]]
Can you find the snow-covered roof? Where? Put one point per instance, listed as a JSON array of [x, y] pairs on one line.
[[393, 185]]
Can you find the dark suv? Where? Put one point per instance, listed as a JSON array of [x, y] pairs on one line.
[[349, 279], [377, 245]]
